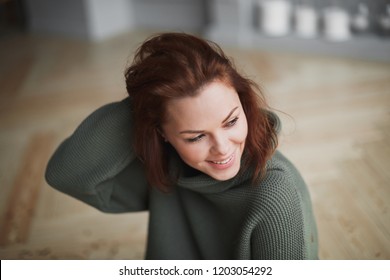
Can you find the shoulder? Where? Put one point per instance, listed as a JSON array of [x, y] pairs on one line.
[[282, 188], [281, 172]]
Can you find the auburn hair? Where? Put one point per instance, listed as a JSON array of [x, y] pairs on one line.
[[176, 65]]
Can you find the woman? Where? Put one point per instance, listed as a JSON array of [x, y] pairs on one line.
[[195, 145]]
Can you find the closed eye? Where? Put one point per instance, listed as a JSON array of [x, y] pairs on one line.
[[195, 139], [232, 122]]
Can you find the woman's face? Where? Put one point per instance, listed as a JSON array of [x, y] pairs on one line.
[[209, 130]]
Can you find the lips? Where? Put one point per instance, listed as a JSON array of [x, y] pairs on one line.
[[222, 164]]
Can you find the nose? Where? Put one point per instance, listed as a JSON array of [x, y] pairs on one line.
[[220, 145]]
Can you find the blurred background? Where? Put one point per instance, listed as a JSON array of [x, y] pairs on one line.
[[324, 66]]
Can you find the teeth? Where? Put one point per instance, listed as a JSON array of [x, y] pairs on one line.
[[223, 162]]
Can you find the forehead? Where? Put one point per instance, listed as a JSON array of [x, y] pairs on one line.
[[211, 105]]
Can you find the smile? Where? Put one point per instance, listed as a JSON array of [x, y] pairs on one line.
[[226, 161]]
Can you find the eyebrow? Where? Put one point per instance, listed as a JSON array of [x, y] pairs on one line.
[[201, 131]]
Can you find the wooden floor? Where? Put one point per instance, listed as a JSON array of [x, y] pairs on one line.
[[336, 129]]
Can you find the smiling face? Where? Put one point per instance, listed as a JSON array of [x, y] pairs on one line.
[[208, 131]]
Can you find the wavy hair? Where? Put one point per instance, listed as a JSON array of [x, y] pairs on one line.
[[176, 65]]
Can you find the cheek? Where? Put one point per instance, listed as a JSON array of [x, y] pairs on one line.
[[242, 131], [191, 153]]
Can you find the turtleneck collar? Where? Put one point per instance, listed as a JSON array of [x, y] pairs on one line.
[[203, 183]]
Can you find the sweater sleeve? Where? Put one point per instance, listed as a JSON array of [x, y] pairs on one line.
[[97, 165], [285, 228]]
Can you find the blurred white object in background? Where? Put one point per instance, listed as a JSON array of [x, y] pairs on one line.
[[336, 24], [384, 22], [275, 17], [306, 21], [360, 22]]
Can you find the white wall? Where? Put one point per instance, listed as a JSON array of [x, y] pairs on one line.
[[108, 17], [231, 22]]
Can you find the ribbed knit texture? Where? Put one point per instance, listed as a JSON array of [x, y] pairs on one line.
[[201, 218]]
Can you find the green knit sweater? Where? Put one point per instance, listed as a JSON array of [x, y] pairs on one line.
[[201, 218]]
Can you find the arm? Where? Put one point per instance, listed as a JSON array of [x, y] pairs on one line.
[[97, 164]]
